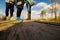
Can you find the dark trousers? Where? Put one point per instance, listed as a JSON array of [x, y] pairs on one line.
[[19, 10], [11, 8]]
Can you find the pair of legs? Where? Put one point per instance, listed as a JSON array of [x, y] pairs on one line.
[[11, 8], [29, 11], [19, 10]]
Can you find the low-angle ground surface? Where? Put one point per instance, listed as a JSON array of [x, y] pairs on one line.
[[32, 30]]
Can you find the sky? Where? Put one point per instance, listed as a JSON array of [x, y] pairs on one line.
[[36, 8]]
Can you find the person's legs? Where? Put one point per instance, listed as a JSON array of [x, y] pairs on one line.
[[11, 9], [7, 9], [19, 10], [29, 11]]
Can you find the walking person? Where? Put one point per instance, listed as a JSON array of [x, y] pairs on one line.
[[29, 3], [9, 6], [19, 6]]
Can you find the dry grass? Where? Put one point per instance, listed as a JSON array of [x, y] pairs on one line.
[[53, 19], [6, 24]]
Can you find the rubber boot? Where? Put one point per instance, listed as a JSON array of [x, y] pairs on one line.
[[29, 17]]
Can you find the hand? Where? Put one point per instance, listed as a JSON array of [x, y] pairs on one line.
[[12, 2], [19, 3]]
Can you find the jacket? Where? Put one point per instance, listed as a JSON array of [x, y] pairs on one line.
[[31, 2], [26, 1]]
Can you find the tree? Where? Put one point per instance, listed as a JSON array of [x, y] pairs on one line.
[[42, 14], [54, 7]]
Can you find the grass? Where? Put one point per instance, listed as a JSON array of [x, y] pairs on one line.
[[4, 26]]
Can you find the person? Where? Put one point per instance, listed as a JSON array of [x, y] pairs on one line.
[[19, 5], [9, 6], [29, 3]]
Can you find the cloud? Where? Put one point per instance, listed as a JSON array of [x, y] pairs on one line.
[[45, 6], [48, 7], [35, 14], [41, 4], [49, 15], [58, 6]]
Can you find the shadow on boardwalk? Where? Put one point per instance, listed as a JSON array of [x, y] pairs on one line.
[[31, 31]]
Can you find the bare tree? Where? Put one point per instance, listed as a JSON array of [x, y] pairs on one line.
[[42, 14], [53, 2], [55, 9]]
